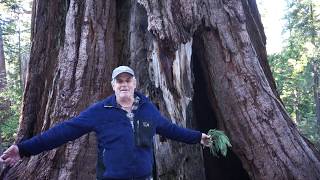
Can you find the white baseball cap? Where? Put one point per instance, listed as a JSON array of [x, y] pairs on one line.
[[122, 69]]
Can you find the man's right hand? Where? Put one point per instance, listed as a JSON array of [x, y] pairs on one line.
[[11, 155]]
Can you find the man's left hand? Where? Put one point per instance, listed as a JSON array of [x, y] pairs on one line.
[[205, 140]]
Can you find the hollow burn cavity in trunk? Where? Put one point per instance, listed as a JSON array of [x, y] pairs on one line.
[[223, 168]]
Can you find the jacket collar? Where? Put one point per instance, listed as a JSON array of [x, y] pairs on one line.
[[112, 102]]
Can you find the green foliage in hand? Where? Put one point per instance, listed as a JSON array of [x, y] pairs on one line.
[[219, 142]]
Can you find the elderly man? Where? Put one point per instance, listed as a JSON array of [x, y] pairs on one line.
[[125, 124]]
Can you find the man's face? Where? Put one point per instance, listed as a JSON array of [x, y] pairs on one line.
[[124, 85]]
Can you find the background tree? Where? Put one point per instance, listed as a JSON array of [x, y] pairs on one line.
[[203, 63], [3, 79], [305, 26], [11, 94], [296, 68]]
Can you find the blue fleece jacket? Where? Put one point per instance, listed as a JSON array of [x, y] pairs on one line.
[[126, 149]]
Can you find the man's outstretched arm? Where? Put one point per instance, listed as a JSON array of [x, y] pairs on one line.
[[54, 137]]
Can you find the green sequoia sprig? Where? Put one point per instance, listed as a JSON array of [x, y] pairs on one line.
[[219, 142]]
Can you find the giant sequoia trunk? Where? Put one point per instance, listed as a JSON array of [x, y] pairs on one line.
[[202, 62]]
